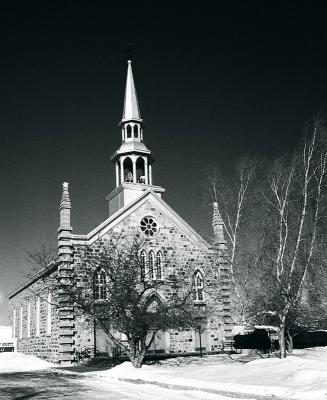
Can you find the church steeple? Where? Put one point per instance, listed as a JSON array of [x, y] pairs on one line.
[[133, 160]]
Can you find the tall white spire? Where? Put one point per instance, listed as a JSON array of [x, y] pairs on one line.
[[133, 160], [131, 108]]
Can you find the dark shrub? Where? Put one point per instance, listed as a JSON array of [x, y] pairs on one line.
[[310, 339], [258, 339]]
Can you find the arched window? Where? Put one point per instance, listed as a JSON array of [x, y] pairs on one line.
[[198, 286], [128, 170], [159, 265], [129, 131], [100, 285], [136, 131], [49, 316], [37, 319], [140, 174], [14, 323], [143, 264], [153, 304], [151, 265]]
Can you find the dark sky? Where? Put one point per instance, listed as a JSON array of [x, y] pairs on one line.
[[214, 81]]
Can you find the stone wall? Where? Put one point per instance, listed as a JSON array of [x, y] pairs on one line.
[[181, 341], [45, 343], [183, 254], [84, 335]]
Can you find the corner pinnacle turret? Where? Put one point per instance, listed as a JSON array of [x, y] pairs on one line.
[[65, 207], [65, 199], [218, 225]]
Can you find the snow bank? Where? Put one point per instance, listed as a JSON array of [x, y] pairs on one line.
[[124, 370], [300, 376], [18, 362]]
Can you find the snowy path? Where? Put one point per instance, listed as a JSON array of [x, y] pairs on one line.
[[222, 394], [125, 390], [52, 386]]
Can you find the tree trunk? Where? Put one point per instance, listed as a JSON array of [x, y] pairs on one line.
[[137, 361], [289, 342], [282, 337], [136, 354]]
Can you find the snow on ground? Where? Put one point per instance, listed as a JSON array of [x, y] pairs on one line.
[[132, 391], [300, 376], [18, 362]]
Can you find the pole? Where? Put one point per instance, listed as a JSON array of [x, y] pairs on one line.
[[200, 343], [94, 338], [94, 321]]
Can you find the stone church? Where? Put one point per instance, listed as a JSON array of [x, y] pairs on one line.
[[55, 332]]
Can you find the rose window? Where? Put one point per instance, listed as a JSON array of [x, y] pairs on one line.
[[149, 226]]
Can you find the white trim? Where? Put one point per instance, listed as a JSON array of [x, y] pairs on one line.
[[117, 174], [150, 174]]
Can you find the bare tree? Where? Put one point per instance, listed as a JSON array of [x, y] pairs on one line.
[[134, 299], [294, 199], [40, 259], [114, 286], [233, 197], [43, 266]]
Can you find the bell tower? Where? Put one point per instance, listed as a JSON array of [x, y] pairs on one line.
[[133, 160]]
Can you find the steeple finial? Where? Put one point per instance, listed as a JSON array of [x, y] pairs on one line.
[[65, 207], [131, 108], [218, 225]]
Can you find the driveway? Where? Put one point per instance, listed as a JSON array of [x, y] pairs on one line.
[[54, 385]]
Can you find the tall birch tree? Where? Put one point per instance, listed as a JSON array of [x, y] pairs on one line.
[[294, 197]]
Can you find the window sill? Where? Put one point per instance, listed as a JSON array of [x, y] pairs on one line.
[[153, 280]]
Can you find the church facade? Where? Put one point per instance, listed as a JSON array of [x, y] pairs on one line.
[[45, 326]]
